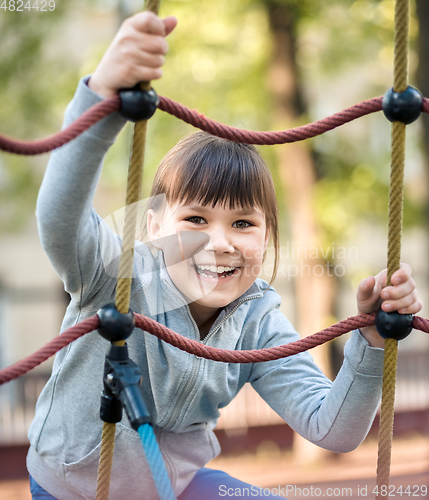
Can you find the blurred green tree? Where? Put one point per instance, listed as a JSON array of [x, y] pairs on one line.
[[218, 63], [34, 78]]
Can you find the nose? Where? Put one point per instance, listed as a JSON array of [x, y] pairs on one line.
[[220, 241]]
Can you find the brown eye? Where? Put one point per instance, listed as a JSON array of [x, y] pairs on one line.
[[242, 224], [195, 220]]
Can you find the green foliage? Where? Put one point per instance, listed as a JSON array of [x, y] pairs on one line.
[[28, 62], [216, 64], [218, 61], [345, 54], [354, 182], [34, 79]]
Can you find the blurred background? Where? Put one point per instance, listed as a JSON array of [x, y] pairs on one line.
[[256, 64]]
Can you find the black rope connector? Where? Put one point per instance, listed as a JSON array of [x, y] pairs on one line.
[[138, 104], [392, 325], [122, 380], [114, 325], [403, 107]]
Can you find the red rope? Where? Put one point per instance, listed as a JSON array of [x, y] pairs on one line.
[[86, 120], [106, 107], [194, 347], [421, 324], [269, 138], [188, 345], [35, 359], [256, 355]]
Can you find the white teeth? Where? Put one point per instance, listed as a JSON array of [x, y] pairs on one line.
[[214, 269]]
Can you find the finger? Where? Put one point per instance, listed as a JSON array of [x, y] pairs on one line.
[[134, 74], [402, 274], [147, 22], [136, 54], [402, 303], [365, 289], [413, 308], [146, 74], [381, 279], [143, 68], [145, 59], [398, 291], [145, 42], [133, 55], [169, 24]]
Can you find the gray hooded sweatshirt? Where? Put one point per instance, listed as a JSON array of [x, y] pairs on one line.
[[182, 392]]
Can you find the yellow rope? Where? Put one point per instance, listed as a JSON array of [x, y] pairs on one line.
[[135, 175], [106, 459], [153, 6], [396, 195], [385, 432], [123, 285], [393, 248], [402, 21]]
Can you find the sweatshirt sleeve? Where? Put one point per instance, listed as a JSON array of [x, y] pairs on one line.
[[69, 228], [334, 415]]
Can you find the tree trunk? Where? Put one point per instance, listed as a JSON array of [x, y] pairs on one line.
[[314, 287], [423, 71]]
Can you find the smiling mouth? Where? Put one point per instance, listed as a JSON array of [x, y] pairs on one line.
[[215, 271]]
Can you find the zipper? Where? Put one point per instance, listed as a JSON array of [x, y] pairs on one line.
[[242, 301], [196, 361], [211, 333], [190, 384], [185, 304]]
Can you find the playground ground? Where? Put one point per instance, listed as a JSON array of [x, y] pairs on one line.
[[350, 475]]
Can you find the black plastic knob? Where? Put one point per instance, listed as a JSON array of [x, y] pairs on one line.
[[392, 325], [138, 104], [114, 325], [403, 107]]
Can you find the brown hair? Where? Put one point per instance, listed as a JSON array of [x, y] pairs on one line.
[[212, 171]]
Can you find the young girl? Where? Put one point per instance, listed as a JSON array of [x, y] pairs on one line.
[[225, 191]]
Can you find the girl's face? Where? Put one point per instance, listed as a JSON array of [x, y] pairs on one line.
[[227, 265]]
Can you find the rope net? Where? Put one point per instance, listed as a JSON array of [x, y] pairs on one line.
[[198, 120], [194, 347], [106, 107]]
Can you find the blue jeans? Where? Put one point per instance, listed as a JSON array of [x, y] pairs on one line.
[[38, 492], [209, 484]]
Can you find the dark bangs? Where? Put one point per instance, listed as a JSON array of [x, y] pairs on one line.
[[217, 172], [214, 171]]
